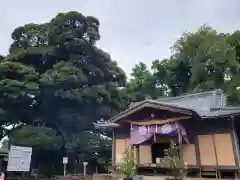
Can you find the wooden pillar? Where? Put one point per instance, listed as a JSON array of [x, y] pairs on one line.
[[179, 136], [23, 176], [1, 164], [180, 143], [113, 148], [136, 154], [235, 142]]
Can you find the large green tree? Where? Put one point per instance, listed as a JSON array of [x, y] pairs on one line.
[[200, 61], [204, 61], [55, 83], [143, 85]]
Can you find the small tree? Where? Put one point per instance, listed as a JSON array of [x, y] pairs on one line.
[[128, 165], [174, 161]]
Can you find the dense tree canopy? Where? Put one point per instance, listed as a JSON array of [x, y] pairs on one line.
[[200, 61], [55, 83]]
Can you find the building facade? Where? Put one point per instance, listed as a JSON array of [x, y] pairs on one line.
[[202, 124]]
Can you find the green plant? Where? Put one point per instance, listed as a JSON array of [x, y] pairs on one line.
[[128, 165], [174, 161]]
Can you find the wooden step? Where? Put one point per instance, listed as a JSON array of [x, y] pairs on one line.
[[208, 173]]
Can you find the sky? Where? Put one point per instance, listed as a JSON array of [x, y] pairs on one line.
[[131, 30]]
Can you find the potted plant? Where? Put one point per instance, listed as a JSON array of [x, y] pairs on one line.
[[173, 160], [128, 165]]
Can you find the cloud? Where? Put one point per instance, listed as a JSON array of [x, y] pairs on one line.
[[131, 31]]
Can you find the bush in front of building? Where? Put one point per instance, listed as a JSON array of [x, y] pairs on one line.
[[128, 165], [174, 161]]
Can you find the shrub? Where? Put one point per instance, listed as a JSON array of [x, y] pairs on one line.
[[174, 161], [128, 166]]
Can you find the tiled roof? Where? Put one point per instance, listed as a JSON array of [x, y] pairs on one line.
[[207, 104], [228, 111], [105, 124], [154, 104], [210, 104], [205, 93]]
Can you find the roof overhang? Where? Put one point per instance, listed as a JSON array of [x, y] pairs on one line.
[[222, 112], [152, 104], [105, 125]]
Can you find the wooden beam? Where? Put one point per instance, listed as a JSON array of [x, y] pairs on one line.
[[235, 142], [155, 105], [113, 148]]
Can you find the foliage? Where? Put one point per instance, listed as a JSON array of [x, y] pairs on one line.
[[5, 144], [174, 161], [5, 147], [55, 83], [205, 59], [44, 138], [91, 147], [200, 61], [142, 84], [128, 165], [1, 58]]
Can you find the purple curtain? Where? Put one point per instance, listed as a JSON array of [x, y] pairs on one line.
[[140, 134]]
